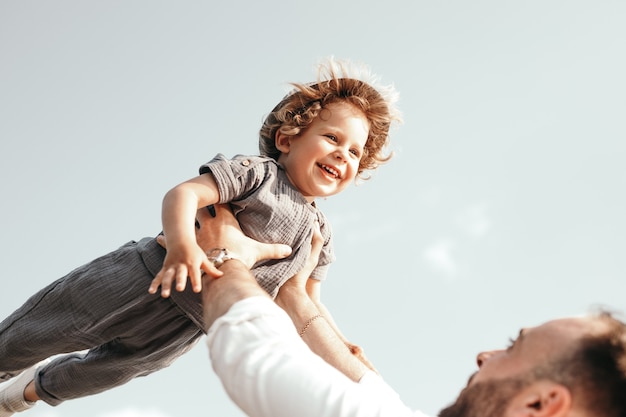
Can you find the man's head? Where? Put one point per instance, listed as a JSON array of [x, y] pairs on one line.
[[566, 367]]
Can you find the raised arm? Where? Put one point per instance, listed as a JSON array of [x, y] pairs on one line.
[[265, 365], [184, 258], [314, 324], [307, 318], [313, 289]]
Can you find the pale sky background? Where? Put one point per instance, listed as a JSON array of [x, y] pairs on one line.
[[503, 206]]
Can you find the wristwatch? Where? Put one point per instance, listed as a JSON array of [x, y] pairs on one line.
[[218, 256]]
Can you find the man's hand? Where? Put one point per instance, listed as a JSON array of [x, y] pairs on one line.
[[221, 231], [299, 280]]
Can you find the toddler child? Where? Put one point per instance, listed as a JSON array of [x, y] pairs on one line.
[[314, 143]]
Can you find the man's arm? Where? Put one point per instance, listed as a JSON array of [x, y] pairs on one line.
[[263, 362], [266, 367], [317, 332], [313, 288], [224, 231]]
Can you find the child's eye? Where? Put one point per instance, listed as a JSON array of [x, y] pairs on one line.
[[332, 137], [355, 152]]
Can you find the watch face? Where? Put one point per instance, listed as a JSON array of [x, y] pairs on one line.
[[216, 253], [218, 256]]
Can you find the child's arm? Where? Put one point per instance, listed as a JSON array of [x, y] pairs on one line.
[[313, 287], [184, 257]]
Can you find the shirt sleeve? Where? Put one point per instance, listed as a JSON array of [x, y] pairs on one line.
[[268, 371], [235, 177]]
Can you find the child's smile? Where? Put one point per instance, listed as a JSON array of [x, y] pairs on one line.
[[330, 170], [324, 159]]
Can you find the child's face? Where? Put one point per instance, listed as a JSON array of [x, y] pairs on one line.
[[324, 159]]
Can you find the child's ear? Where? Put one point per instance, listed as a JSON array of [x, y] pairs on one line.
[[282, 141]]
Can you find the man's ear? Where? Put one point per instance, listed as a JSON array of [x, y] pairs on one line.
[[282, 141], [541, 399]]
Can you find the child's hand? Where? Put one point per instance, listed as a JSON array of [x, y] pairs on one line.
[[217, 229], [358, 352], [181, 263]]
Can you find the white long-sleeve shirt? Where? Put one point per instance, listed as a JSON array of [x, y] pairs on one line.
[[268, 371]]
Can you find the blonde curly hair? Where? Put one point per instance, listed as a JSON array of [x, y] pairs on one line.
[[337, 81]]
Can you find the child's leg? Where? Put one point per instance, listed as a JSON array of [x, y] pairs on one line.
[[71, 313], [103, 306], [140, 351], [37, 330]]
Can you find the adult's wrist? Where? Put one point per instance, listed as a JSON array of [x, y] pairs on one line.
[[218, 256], [219, 294]]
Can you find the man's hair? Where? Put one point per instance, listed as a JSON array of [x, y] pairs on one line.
[[338, 82], [594, 370]]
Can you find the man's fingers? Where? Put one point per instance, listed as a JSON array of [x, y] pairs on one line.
[[243, 248], [316, 242], [272, 251]]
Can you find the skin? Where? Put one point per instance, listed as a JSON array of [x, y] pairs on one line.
[[237, 283], [500, 369], [229, 233], [324, 159], [533, 346], [497, 368], [321, 161]]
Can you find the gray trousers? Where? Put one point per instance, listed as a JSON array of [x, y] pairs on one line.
[[103, 306]]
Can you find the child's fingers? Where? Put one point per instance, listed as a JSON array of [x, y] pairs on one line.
[[161, 241], [357, 351], [164, 280], [365, 361], [176, 276], [181, 278], [195, 278], [154, 285], [168, 277]]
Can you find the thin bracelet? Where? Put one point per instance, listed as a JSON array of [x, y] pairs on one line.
[[308, 323]]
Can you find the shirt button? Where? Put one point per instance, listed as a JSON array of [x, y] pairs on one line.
[[245, 162]]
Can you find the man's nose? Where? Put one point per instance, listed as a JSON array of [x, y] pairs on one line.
[[483, 357]]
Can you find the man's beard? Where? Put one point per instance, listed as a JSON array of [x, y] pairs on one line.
[[484, 399]]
